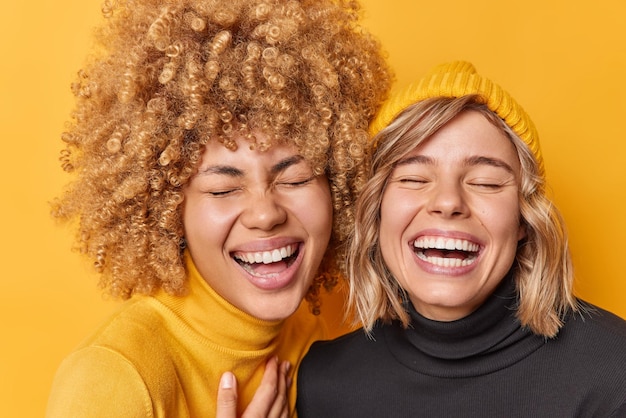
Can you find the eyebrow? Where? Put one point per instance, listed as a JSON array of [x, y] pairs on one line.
[[282, 165], [228, 170], [469, 162], [494, 162]]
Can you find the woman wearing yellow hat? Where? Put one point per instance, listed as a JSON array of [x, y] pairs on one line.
[[461, 276]]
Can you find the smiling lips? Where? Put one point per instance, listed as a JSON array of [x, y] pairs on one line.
[[446, 252], [267, 263]]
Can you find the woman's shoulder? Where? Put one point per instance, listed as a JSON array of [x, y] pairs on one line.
[[121, 345], [134, 324], [126, 359], [354, 346], [592, 319], [594, 334], [90, 378]]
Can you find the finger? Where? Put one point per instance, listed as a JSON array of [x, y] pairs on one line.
[[280, 407], [288, 377], [227, 397], [265, 395]]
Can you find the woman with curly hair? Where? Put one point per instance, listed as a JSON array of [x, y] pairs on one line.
[[460, 273], [217, 147]]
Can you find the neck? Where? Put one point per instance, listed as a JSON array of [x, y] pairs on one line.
[[212, 316], [482, 342]]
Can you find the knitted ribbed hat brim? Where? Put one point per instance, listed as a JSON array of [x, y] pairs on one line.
[[457, 79]]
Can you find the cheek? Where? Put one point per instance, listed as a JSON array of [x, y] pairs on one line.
[[315, 211], [397, 211], [505, 220], [204, 222], [312, 206]]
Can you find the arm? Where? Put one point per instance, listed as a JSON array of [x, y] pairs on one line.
[[269, 401]]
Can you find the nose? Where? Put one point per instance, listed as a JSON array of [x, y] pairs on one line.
[[447, 199], [264, 211]]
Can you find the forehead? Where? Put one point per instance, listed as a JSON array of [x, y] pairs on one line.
[[215, 153], [469, 134], [254, 147]]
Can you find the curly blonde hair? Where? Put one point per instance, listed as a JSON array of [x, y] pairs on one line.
[[543, 268], [168, 76]]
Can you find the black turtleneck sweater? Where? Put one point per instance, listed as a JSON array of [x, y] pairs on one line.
[[484, 365]]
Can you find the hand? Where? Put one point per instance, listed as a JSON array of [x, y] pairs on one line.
[[270, 399]]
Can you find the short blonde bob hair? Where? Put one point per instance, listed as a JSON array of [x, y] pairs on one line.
[[168, 76], [542, 268]]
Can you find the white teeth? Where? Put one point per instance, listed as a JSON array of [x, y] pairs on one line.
[[276, 256], [442, 243], [447, 262], [266, 257], [450, 244]]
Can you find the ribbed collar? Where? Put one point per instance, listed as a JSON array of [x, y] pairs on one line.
[[212, 317], [487, 340]]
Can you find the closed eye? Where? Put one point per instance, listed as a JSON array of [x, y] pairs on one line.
[[412, 180], [487, 185], [222, 193], [297, 183]]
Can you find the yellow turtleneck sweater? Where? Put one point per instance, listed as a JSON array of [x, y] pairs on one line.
[[162, 356]]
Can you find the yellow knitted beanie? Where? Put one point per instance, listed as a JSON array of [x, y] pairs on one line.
[[457, 79]]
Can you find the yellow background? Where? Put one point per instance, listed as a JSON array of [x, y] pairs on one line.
[[564, 60]]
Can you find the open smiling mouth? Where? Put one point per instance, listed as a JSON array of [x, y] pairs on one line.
[[446, 252], [267, 263]]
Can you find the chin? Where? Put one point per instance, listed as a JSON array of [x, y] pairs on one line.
[[274, 316], [276, 310]]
